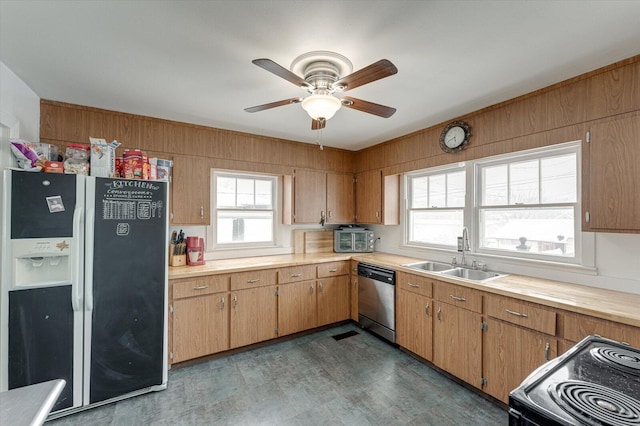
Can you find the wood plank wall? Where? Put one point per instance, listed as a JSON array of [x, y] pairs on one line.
[[556, 114], [62, 123]]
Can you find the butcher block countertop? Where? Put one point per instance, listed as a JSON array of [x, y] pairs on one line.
[[606, 304]]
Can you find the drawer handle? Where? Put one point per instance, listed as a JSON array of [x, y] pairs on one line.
[[426, 309], [333, 270], [439, 314], [413, 285], [253, 281], [518, 314], [458, 298], [296, 275], [546, 351], [201, 287]]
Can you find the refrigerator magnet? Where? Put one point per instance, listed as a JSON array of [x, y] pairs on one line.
[[55, 204]]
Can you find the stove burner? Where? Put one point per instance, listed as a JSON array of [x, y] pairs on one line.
[[596, 405], [621, 359]]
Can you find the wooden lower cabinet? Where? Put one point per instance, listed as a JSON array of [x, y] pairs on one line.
[[414, 323], [200, 326], [353, 290], [253, 315], [333, 302], [297, 307], [510, 354], [457, 342]]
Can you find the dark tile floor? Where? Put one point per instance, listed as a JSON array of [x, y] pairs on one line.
[[310, 380]]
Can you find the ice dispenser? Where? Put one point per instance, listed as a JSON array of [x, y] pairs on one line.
[[41, 262]]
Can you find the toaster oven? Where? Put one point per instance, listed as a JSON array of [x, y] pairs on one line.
[[353, 240]]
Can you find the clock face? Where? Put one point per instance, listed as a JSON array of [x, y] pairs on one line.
[[454, 137]]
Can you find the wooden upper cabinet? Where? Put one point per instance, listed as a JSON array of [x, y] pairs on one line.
[[340, 198], [190, 192], [310, 193], [377, 198], [611, 181]]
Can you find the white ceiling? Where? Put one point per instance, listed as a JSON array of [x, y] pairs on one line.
[[191, 60]]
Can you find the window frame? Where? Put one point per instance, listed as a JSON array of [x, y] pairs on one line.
[[274, 180], [435, 171], [583, 245]]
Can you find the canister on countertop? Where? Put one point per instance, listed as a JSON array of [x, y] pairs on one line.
[[132, 163]]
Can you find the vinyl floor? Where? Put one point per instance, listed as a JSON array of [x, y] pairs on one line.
[[310, 380]]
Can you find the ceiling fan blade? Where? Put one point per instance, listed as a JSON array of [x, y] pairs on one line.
[[381, 69], [318, 124], [273, 105], [369, 107], [281, 71]]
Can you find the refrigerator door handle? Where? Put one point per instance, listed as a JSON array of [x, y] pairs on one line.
[[76, 279], [88, 290]]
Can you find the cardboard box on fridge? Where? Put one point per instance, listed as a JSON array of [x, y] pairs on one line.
[[103, 157]]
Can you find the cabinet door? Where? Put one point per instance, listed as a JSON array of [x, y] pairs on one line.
[[354, 297], [190, 190], [253, 316], [297, 308], [612, 182], [369, 197], [511, 353], [309, 196], [414, 323], [333, 299], [200, 326], [457, 342], [340, 198]]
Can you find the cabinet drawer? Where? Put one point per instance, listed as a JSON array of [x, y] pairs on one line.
[[253, 279], [198, 286], [333, 269], [294, 274], [456, 295], [577, 327], [414, 283], [521, 313]]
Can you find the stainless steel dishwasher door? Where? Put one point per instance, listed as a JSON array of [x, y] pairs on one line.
[[376, 305]]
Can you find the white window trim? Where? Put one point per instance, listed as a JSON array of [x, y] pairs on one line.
[[583, 262], [275, 200]]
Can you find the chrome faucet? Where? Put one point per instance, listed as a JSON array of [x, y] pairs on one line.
[[463, 244]]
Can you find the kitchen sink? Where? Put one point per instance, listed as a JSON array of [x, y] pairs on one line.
[[472, 274], [429, 266]]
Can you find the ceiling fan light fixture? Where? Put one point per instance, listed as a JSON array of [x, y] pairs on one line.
[[321, 106]]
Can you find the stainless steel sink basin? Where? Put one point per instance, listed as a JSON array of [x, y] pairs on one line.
[[472, 274], [429, 266]]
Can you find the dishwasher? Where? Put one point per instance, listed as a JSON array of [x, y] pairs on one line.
[[376, 300]]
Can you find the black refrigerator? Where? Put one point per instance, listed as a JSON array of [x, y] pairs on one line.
[[84, 286]]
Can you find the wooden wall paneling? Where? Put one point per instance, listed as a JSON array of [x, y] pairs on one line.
[[121, 127], [565, 105], [59, 122], [219, 143], [551, 137], [614, 92], [152, 136], [175, 138]]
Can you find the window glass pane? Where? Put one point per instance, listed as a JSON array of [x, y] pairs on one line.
[[524, 182], [245, 193], [547, 231], [494, 186], [244, 227], [225, 191], [559, 179], [435, 226], [437, 191], [420, 192], [263, 194], [455, 189]]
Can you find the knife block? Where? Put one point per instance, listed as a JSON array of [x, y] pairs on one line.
[[177, 254]]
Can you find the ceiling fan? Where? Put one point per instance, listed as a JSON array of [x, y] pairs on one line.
[[323, 74]]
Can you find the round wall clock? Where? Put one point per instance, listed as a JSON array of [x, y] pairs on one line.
[[455, 136]]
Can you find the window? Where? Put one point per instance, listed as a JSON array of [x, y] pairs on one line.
[[244, 209], [435, 213], [522, 205], [528, 204]]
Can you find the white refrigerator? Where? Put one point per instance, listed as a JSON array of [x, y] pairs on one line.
[[83, 286]]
